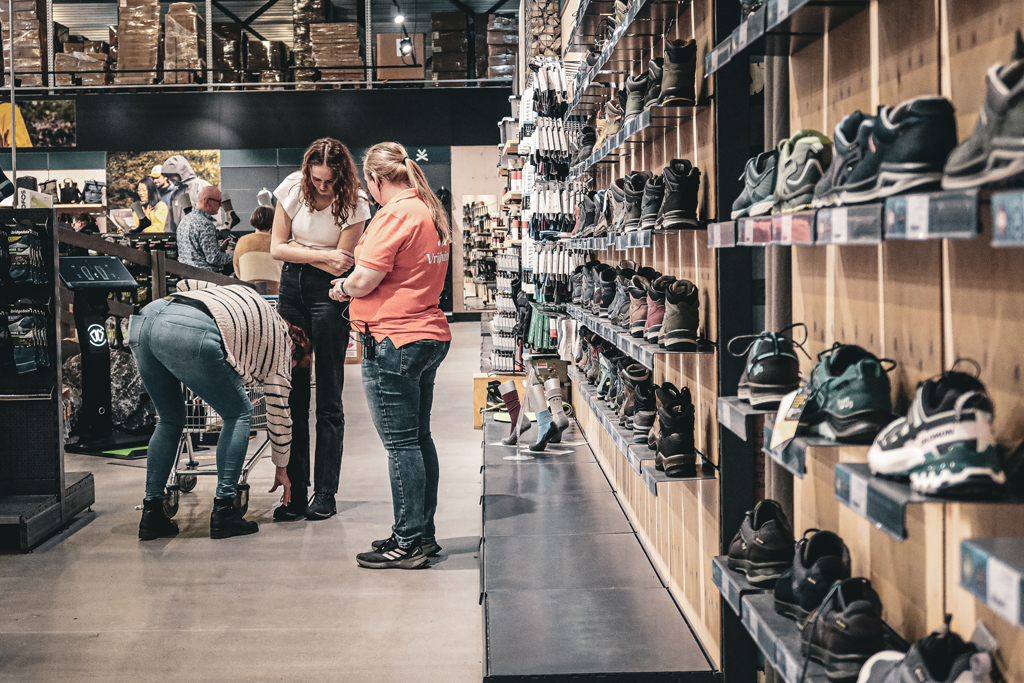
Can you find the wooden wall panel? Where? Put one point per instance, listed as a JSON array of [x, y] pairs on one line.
[[807, 87], [810, 300], [849, 71], [857, 316], [908, 46]]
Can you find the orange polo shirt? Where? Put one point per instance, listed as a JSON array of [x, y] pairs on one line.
[[402, 241]]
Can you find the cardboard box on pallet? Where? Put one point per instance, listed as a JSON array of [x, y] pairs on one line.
[[450, 41], [184, 44], [138, 42], [445, 61], [29, 48], [448, 21], [265, 55], [227, 37], [501, 71], [441, 78], [335, 45], [393, 65], [305, 13], [89, 68], [501, 38], [503, 24]]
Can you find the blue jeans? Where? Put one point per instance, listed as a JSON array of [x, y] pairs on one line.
[[173, 344], [399, 386]]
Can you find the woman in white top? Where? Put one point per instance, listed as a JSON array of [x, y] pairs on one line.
[[321, 211]]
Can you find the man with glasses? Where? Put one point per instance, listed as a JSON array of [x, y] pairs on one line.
[[197, 235]]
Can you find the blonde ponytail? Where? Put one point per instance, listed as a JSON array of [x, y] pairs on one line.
[[389, 161]]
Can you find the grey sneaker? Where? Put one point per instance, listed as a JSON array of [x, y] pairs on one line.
[[430, 548], [682, 317], [758, 194], [654, 194], [323, 506], [848, 147], [994, 153], [803, 159], [636, 86]]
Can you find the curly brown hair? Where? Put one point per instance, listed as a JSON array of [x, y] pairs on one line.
[[334, 155]]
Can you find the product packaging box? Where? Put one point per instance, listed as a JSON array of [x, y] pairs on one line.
[[448, 21], [393, 65], [138, 42], [184, 44]]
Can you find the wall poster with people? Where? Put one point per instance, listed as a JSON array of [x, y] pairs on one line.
[[39, 123], [126, 170]]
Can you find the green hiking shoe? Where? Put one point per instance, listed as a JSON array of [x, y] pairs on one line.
[[850, 395], [803, 159]]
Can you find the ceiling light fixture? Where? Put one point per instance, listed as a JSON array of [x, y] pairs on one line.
[[405, 46]]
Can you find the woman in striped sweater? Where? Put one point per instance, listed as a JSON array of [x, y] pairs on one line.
[[214, 340]]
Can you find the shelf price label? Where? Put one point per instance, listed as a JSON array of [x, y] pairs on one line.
[[1003, 590], [783, 9], [743, 34], [714, 60], [917, 217], [840, 226], [859, 496]]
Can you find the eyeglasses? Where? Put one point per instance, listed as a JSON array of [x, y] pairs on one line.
[[211, 199]]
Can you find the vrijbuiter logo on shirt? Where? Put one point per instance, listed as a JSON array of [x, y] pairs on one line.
[[437, 257]]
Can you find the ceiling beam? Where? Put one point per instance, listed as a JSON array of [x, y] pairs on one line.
[[235, 18], [258, 13], [497, 6]]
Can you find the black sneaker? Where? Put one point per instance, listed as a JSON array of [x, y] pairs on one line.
[[849, 141], [293, 510], [845, 630], [820, 560], [907, 150], [682, 185], [392, 556], [772, 369], [322, 506], [763, 547], [941, 657], [226, 521], [155, 523], [994, 153], [430, 549]]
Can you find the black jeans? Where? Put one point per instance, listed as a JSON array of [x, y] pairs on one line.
[[305, 303]]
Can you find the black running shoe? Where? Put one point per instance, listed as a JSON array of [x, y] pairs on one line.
[[322, 506], [845, 630], [763, 547], [941, 657], [907, 150], [772, 369], [429, 549], [293, 510], [392, 556], [821, 559]]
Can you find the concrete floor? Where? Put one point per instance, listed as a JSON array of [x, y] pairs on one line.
[[286, 604]]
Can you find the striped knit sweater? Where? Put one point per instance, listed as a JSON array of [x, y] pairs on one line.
[[257, 346]]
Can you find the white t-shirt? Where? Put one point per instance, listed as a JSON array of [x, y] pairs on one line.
[[315, 229]]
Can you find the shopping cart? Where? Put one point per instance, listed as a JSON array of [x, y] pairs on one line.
[[200, 419]]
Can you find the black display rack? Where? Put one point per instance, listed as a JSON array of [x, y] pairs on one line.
[[36, 495]]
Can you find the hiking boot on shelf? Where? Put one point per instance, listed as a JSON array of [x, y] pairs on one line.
[[758, 194], [849, 397], [994, 152], [587, 217], [945, 443], [941, 657], [586, 148], [625, 319], [664, 395], [655, 69], [677, 454], [763, 546], [845, 630], [594, 366], [772, 369], [576, 284], [802, 161], [607, 360], [850, 139], [678, 81], [635, 185], [633, 376], [679, 207], [682, 317], [654, 194], [821, 559], [598, 295], [613, 123], [638, 305], [908, 148], [589, 279], [644, 412], [620, 304], [656, 308], [620, 10], [607, 288], [636, 87], [617, 195]]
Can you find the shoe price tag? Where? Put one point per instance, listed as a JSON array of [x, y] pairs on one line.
[[917, 217], [787, 419], [783, 9], [786, 231], [859, 495], [840, 234], [743, 34], [1003, 590]]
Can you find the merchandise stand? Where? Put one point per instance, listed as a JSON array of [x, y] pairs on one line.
[[36, 495]]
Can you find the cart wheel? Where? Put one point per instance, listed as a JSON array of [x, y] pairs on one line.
[[242, 499], [171, 501], [187, 482]]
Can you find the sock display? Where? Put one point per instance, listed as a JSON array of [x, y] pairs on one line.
[[553, 392], [511, 397], [545, 429], [27, 338]]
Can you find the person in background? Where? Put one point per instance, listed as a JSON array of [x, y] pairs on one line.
[[197, 235], [82, 222], [262, 220], [401, 264], [166, 187], [178, 171], [320, 215], [214, 340], [153, 207]]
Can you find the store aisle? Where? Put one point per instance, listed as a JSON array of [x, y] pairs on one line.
[[286, 604]]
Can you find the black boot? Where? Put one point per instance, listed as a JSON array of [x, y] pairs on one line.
[[293, 510], [226, 521], [155, 522]]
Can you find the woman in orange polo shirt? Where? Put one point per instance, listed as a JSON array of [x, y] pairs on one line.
[[401, 262]]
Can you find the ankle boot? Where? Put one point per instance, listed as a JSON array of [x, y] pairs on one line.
[[617, 192], [644, 412], [678, 82], [655, 71], [576, 284], [625, 272], [155, 522], [638, 305], [654, 194], [682, 186], [588, 283], [677, 456], [634, 375], [226, 521], [607, 293], [664, 395], [635, 185], [656, 307], [682, 317]]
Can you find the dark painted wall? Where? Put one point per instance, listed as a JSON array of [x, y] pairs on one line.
[[258, 120]]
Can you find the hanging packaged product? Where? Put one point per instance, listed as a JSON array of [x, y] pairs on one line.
[[25, 255], [27, 329]]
